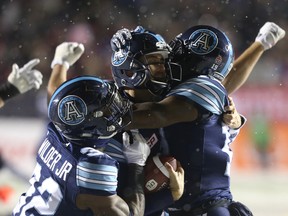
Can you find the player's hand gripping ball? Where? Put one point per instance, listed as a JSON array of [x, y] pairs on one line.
[[156, 174]]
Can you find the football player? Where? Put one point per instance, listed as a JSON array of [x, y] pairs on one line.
[[20, 80], [187, 80], [72, 175]]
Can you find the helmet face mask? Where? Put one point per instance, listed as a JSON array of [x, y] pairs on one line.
[[203, 50], [87, 108]]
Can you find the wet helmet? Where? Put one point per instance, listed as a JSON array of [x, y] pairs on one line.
[[203, 50], [132, 72], [86, 108]]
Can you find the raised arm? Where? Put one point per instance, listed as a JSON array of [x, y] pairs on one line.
[[242, 68], [66, 54], [268, 36]]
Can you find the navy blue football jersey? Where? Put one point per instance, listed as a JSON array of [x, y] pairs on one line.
[[62, 172], [202, 146]]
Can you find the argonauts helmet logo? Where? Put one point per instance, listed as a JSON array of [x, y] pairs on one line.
[[120, 56], [72, 110], [203, 41]]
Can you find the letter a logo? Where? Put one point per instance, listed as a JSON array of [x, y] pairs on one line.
[[203, 41], [72, 110]]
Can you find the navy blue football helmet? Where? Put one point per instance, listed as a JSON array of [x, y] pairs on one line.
[[203, 50], [131, 69], [86, 108]]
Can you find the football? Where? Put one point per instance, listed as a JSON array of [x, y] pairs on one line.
[[156, 174]]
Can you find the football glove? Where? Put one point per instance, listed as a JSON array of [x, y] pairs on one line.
[[26, 77], [135, 147], [121, 37], [269, 35], [67, 54]]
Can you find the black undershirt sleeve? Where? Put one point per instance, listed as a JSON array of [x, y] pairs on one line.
[[7, 91]]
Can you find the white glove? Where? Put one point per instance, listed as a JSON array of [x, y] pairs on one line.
[[269, 35], [67, 54], [25, 78], [120, 38], [138, 151]]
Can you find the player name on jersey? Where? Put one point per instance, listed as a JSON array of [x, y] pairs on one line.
[[52, 158]]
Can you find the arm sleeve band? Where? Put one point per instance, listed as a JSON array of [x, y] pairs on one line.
[[7, 91]]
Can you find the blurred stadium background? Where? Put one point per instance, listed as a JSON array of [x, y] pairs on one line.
[[33, 28]]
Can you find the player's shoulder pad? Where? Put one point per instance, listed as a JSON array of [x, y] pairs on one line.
[[202, 85], [206, 92], [114, 149], [97, 171], [95, 156]]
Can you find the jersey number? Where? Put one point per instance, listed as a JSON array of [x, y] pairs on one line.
[[44, 195]]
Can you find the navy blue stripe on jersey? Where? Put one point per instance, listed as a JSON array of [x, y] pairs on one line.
[[206, 92], [114, 150], [97, 176]]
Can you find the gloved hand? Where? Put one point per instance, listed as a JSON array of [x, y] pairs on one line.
[[269, 35], [26, 78], [67, 54], [120, 38], [135, 147]]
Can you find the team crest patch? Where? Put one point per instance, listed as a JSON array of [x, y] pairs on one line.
[[203, 41], [72, 110], [119, 57]]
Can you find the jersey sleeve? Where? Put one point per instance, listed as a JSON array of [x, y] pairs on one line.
[[114, 148], [208, 93], [96, 173]]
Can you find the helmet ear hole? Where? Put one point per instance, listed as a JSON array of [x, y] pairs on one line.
[[129, 73]]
